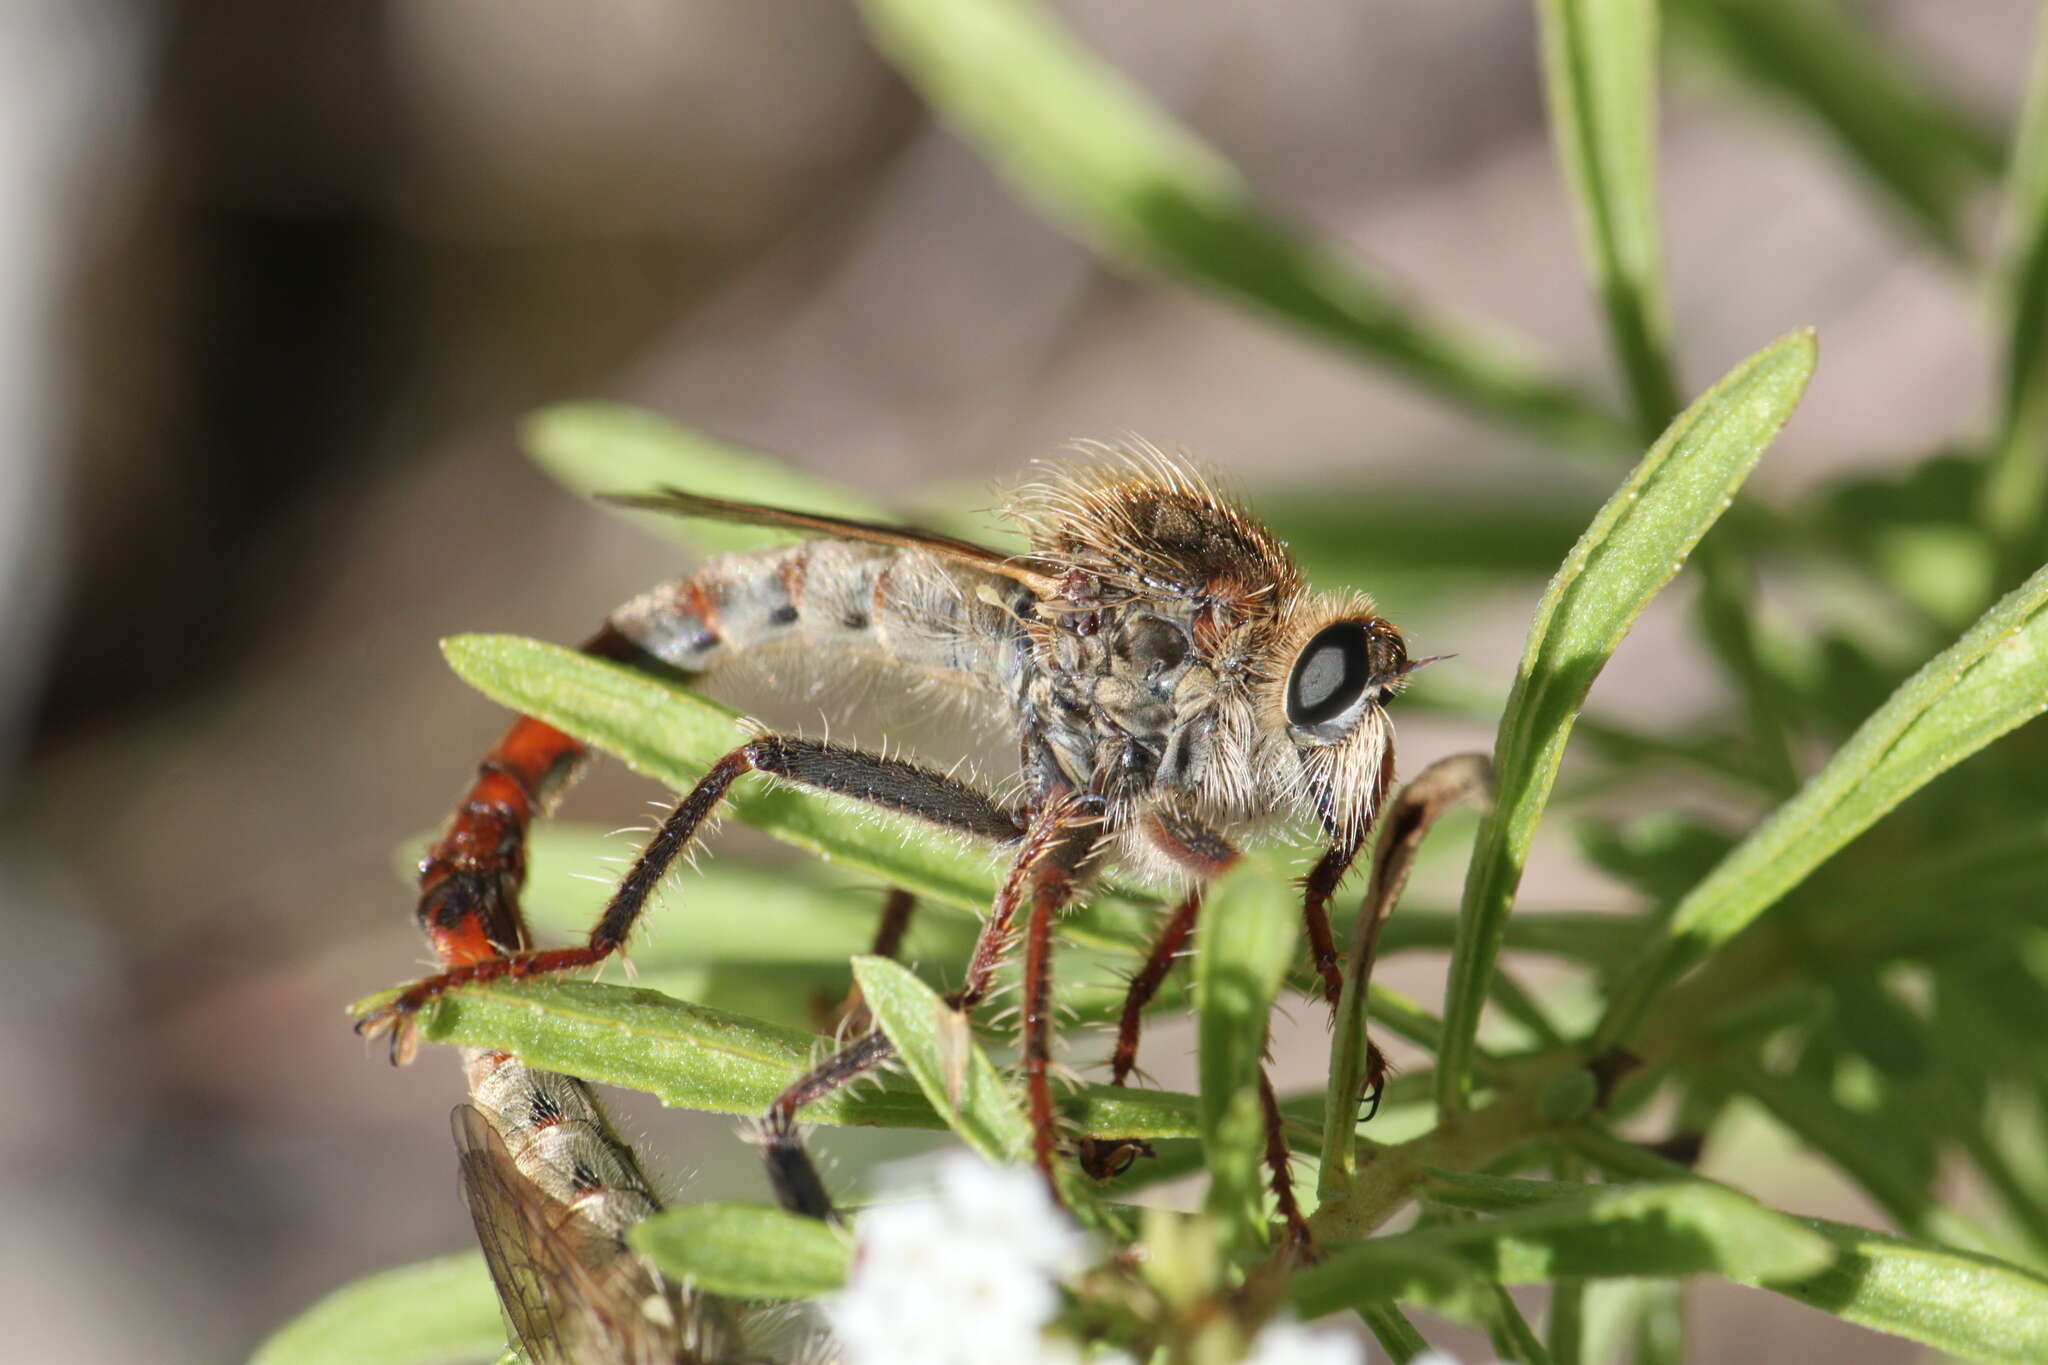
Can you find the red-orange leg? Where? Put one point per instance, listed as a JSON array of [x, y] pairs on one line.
[[1318, 888], [1053, 882], [1145, 985], [1280, 1170]]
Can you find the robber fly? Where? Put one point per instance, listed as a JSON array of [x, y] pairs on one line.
[[1171, 682], [553, 1192]]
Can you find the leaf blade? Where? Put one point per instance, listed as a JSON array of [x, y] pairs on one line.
[[438, 1312], [1243, 943], [1990, 681], [1078, 142], [746, 1251], [1634, 546]]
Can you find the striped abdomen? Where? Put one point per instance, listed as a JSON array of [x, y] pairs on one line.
[[901, 606], [554, 1192]]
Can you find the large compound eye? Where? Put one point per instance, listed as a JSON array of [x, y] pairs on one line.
[[1336, 669]]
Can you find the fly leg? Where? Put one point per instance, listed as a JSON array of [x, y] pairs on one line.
[[1280, 1171], [886, 782], [1054, 881], [1201, 854], [850, 1015], [1318, 888], [790, 1171], [1442, 785]]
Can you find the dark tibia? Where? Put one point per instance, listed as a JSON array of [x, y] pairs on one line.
[[897, 909], [886, 782], [1278, 1169], [790, 1172], [850, 1014]]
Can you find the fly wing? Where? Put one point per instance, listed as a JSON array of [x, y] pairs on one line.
[[572, 1293], [1024, 569], [505, 1207]]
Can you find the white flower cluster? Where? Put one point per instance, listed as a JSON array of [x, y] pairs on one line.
[[966, 1276]]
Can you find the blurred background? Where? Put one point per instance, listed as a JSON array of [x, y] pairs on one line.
[[276, 282]]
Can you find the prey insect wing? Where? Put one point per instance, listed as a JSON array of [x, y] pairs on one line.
[[573, 1291]]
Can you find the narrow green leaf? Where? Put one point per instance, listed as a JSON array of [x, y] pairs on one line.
[[1864, 1150], [1246, 937], [1600, 81], [1395, 1334], [610, 448], [793, 912], [2014, 497], [1078, 142], [687, 1055], [1680, 1228], [1821, 62], [939, 1052], [438, 1312], [746, 1251], [1970, 1306], [1634, 546], [1988, 682], [1510, 1332], [695, 1057]]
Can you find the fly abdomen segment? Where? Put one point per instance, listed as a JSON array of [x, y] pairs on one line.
[[827, 596], [560, 1140]]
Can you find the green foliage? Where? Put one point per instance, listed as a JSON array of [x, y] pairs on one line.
[[745, 1251], [1856, 964]]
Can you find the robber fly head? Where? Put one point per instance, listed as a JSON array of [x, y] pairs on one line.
[[1339, 663]]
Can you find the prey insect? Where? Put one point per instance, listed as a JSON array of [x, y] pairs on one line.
[[553, 1193], [1171, 682]]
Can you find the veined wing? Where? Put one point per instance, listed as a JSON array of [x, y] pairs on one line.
[[1024, 569], [573, 1293]]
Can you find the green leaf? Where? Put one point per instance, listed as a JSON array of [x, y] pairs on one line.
[[1243, 943], [1396, 1335], [1966, 1305], [1554, 1230], [794, 912], [1079, 143], [1822, 63], [438, 1312], [746, 1251], [939, 1051], [2014, 497], [1865, 1151], [1634, 546], [1988, 682], [610, 448], [690, 1056], [1600, 80], [696, 1057]]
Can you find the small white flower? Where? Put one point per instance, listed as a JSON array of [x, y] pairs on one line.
[[965, 1276], [1285, 1342], [1435, 1358]]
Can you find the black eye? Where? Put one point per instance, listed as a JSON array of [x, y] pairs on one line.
[[1335, 669]]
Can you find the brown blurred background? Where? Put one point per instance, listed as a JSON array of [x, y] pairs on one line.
[[277, 279]]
